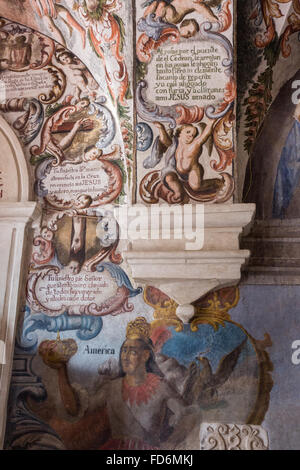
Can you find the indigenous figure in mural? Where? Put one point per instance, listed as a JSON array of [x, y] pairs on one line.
[[152, 402], [137, 410], [288, 171], [49, 10]]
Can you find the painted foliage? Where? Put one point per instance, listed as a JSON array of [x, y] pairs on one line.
[[266, 13], [269, 57]]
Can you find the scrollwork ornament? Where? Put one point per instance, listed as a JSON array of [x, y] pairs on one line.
[[58, 88], [220, 436]]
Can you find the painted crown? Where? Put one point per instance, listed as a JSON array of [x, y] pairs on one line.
[[138, 328]]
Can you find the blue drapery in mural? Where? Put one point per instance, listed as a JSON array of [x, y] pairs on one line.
[[288, 172]]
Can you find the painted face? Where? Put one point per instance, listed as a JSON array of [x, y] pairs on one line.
[[188, 31], [187, 134], [47, 234], [74, 267], [82, 104], [82, 201], [92, 154], [92, 5], [133, 356], [65, 59]]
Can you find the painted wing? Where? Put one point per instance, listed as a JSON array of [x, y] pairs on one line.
[[227, 365]]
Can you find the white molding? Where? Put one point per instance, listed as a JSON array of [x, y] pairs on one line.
[[183, 273], [12, 242], [15, 213]]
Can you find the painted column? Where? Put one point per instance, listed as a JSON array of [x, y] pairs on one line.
[[14, 218]]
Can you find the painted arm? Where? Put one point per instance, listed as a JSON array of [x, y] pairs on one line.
[[66, 391], [202, 138], [78, 237], [204, 10], [163, 135], [68, 139], [150, 9]]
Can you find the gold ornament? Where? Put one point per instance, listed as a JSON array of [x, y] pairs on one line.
[[164, 310], [214, 311], [138, 328]]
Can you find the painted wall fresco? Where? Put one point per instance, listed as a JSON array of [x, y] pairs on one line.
[[278, 169], [63, 119], [275, 309], [269, 57], [185, 97], [97, 358], [145, 381]]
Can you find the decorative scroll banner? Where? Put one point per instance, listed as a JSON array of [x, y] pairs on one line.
[[91, 183], [193, 70], [186, 90], [187, 72], [53, 291], [89, 178], [71, 186], [23, 84]]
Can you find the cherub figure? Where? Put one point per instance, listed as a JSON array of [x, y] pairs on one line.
[[174, 11], [78, 76], [49, 10], [182, 157], [188, 28]]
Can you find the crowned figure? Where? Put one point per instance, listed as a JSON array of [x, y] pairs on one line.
[[135, 409]]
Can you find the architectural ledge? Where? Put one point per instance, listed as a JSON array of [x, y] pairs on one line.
[[18, 211], [183, 267], [275, 252]]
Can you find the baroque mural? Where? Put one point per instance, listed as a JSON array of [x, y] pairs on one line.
[[117, 103]]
